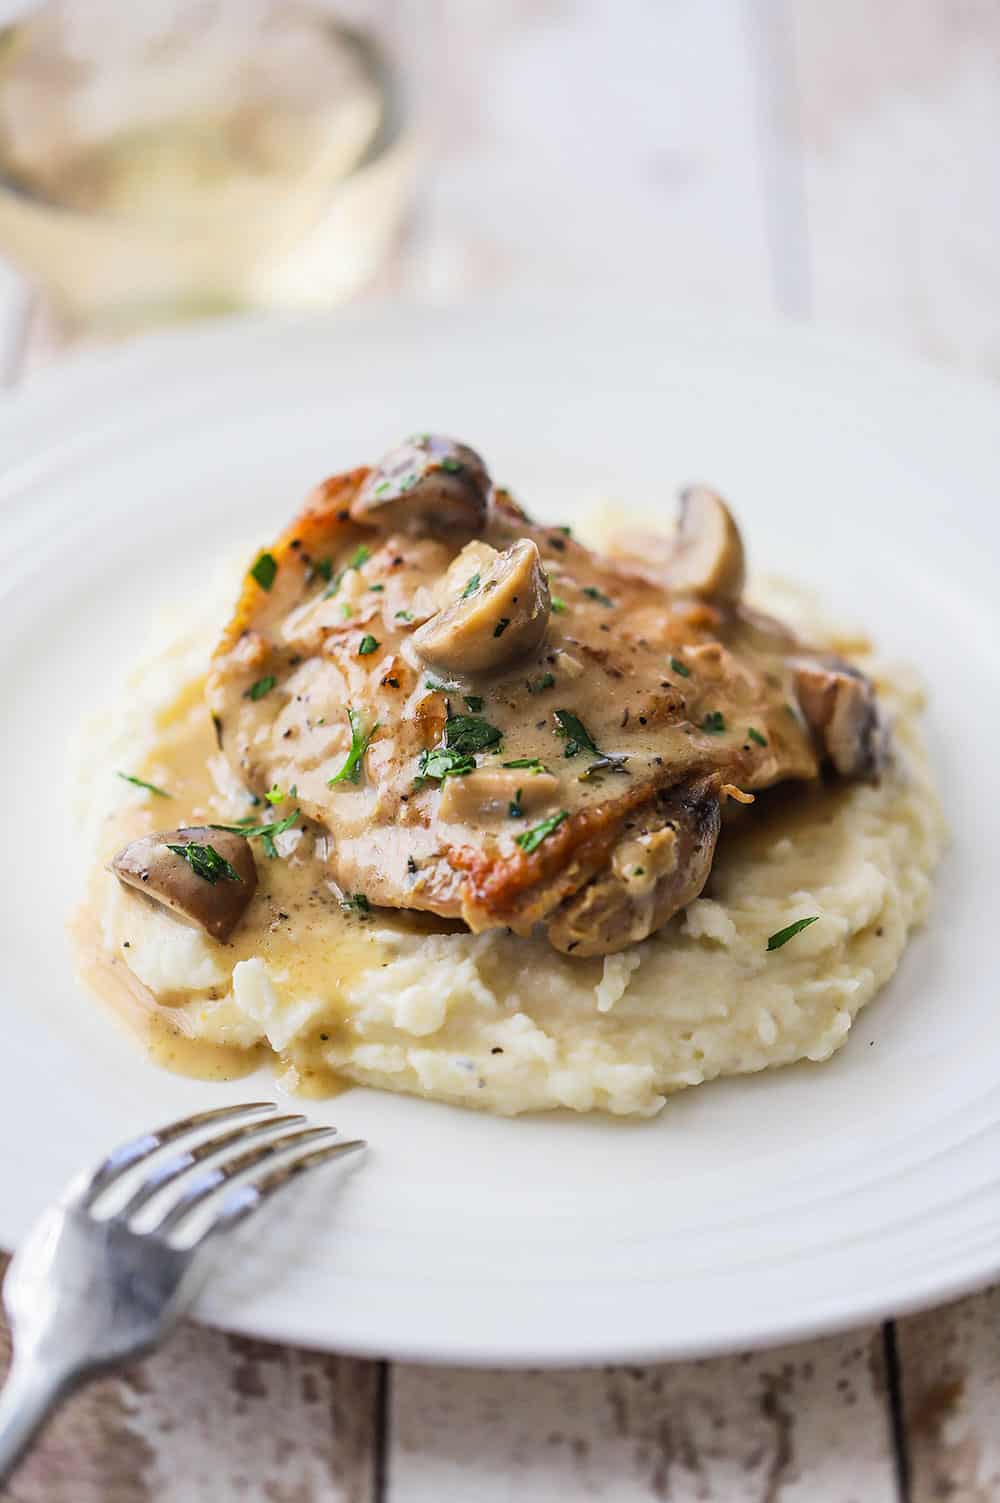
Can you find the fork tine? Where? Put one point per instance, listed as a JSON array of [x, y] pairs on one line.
[[164, 1173], [243, 1200], [205, 1185], [89, 1185]]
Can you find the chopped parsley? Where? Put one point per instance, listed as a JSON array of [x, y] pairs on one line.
[[357, 903], [404, 615], [376, 589], [578, 738], [264, 833], [471, 587], [514, 807], [367, 645], [435, 686], [351, 770], [264, 570], [681, 668], [532, 839], [205, 861], [127, 777], [475, 702], [593, 593], [275, 795], [566, 531], [452, 466], [360, 556], [755, 735], [261, 687], [469, 734], [324, 568], [542, 682], [782, 937], [501, 626], [558, 604], [441, 763], [530, 764], [714, 723]]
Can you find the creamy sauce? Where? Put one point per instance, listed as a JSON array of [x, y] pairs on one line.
[[295, 922], [667, 689]]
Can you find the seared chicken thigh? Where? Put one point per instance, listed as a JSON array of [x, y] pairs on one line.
[[494, 723]]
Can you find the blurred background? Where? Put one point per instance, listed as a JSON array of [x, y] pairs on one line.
[[836, 162]]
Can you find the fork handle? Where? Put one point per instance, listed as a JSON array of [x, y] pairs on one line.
[[28, 1398]]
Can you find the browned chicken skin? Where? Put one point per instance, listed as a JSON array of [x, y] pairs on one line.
[[495, 723]]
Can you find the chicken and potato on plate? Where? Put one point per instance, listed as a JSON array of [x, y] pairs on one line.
[[472, 809]]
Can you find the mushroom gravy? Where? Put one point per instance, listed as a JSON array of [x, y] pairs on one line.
[[295, 922], [500, 725]]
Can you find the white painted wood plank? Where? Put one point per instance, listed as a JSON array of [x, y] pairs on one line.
[[950, 1364], [805, 1424], [593, 144], [899, 107], [211, 1419]]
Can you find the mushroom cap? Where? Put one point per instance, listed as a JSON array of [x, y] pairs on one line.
[[842, 709], [429, 484], [202, 893], [707, 558], [504, 617]]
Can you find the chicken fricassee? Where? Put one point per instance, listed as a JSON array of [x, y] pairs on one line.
[[496, 724]]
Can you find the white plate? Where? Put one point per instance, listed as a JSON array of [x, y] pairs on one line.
[[750, 1210]]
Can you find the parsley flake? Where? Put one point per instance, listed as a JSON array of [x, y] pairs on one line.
[[127, 777], [470, 734], [357, 903], [441, 763], [351, 770], [264, 833], [558, 605], [474, 702], [577, 737], [755, 735], [472, 585], [593, 593], [681, 668], [205, 861], [261, 687], [367, 645], [542, 682], [264, 570], [404, 615], [782, 937], [714, 723], [501, 626], [452, 466], [530, 764], [532, 839]]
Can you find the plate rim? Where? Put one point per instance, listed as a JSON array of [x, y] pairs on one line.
[[58, 383]]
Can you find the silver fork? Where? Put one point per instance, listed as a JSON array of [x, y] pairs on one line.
[[86, 1291]]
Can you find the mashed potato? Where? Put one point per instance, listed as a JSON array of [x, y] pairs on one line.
[[507, 1024]]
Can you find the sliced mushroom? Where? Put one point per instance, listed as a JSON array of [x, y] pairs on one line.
[[429, 484], [211, 888], [503, 616], [492, 793], [841, 707], [703, 558], [707, 557], [656, 869]]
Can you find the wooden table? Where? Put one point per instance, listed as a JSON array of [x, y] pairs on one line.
[[834, 160]]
